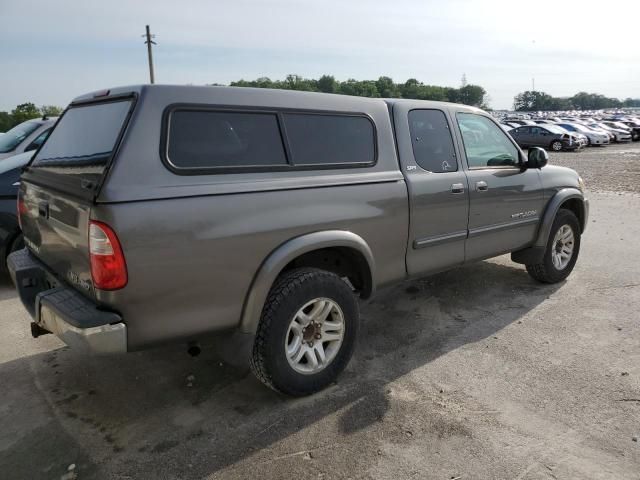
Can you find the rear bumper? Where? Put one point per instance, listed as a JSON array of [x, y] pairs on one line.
[[63, 311]]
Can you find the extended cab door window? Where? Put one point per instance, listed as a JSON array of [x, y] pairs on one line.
[[486, 144], [438, 190], [431, 141]]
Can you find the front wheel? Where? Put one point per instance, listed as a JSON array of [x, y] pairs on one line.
[[307, 332], [556, 146], [562, 250]]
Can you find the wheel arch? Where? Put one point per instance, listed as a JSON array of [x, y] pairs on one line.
[[342, 252], [569, 198]]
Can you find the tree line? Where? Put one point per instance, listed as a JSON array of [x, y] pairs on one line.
[[531, 101], [24, 112], [383, 87]]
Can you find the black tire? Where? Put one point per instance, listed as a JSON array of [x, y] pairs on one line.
[[546, 272], [16, 244], [291, 291], [556, 146]]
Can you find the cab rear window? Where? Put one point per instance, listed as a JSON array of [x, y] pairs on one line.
[[82, 142]]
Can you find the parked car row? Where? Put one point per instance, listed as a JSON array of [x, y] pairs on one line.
[[571, 131], [17, 146]]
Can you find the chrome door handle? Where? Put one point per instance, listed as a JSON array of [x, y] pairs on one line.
[[457, 188], [482, 186]]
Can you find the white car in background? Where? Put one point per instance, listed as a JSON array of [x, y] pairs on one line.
[[619, 135], [25, 136], [595, 138]]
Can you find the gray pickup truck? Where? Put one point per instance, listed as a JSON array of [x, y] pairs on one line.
[[164, 213]]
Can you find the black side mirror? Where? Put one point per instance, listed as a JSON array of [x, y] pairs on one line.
[[537, 158]]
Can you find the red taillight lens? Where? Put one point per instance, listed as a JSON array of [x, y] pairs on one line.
[[22, 209], [108, 267]]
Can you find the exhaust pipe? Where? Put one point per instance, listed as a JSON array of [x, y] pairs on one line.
[[37, 330]]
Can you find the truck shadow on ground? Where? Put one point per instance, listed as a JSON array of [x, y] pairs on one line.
[[168, 415]]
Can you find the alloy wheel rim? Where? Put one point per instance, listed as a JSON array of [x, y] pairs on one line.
[[314, 336], [562, 248]]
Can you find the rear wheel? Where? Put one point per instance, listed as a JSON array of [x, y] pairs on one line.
[[18, 243], [556, 145], [562, 250], [307, 332]]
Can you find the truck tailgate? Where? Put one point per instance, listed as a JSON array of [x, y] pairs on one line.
[[56, 229]]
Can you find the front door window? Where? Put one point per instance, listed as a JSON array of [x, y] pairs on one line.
[[486, 144]]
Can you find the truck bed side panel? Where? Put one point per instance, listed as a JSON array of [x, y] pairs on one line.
[[191, 261]]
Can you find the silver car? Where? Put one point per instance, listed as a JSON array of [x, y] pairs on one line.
[[25, 137]]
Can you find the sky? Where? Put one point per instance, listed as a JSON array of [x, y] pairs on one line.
[[53, 51]]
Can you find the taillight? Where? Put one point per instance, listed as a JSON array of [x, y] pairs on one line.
[[22, 209], [108, 267]]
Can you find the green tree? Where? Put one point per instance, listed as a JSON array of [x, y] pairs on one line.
[[530, 101], [50, 111], [327, 84], [6, 121], [296, 82], [386, 88], [382, 87], [410, 88], [359, 88], [23, 112], [472, 95], [432, 92]]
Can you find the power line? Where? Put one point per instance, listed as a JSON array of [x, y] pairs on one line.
[[149, 42]]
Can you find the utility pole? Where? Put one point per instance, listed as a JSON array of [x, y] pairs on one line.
[[149, 42], [533, 84]]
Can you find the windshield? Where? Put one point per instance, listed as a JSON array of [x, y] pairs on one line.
[[11, 139]]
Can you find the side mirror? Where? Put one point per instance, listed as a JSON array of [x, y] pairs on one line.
[[537, 157]]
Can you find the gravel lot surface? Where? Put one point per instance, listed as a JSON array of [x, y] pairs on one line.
[[477, 373], [613, 168]]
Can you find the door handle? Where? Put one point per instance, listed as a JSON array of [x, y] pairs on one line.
[[457, 188], [482, 186]]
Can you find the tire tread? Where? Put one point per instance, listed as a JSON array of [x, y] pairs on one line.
[[284, 286], [541, 271]]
